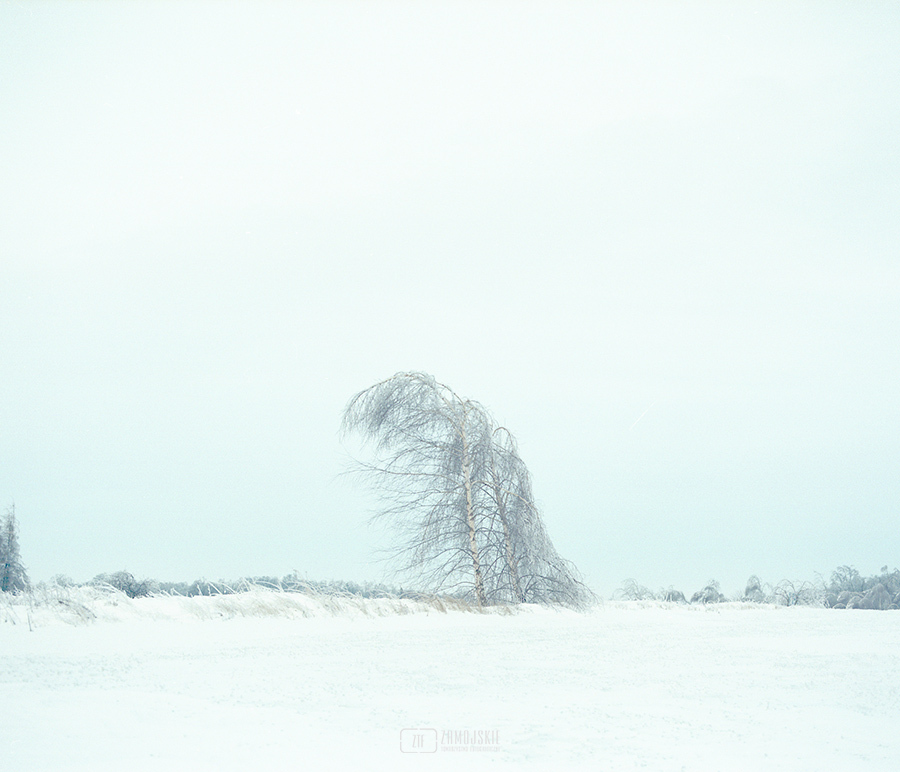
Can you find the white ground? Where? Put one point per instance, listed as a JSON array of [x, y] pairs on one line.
[[171, 684]]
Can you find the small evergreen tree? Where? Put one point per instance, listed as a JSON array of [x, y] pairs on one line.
[[13, 577]]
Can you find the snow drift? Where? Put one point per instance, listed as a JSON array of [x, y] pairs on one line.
[[279, 681]]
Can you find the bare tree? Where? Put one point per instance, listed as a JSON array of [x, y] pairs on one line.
[[846, 579], [631, 589], [522, 564], [456, 490], [789, 593], [13, 577]]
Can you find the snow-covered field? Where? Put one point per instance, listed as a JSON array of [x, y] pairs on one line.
[[265, 681]]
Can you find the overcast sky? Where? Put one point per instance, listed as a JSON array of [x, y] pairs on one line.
[[659, 241]]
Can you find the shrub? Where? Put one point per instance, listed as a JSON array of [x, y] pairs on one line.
[[788, 593], [125, 582], [877, 598], [631, 590]]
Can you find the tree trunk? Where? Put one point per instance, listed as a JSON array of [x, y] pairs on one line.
[[470, 522]]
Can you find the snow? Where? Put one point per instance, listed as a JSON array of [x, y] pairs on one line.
[[272, 681]]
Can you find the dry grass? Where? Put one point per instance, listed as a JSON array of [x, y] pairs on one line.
[[53, 604]]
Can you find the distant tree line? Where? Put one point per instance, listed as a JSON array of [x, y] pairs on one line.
[[846, 589], [125, 582], [292, 582]]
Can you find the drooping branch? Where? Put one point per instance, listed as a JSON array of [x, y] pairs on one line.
[[458, 494]]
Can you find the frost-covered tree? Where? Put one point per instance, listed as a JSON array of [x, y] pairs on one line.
[[709, 594], [754, 592], [846, 579], [458, 494], [125, 582], [790, 593], [672, 595], [13, 577], [631, 589], [522, 565]]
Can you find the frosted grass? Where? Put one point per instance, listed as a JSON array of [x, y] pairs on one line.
[[88, 604]]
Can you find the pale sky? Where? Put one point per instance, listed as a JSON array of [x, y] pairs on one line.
[[659, 241]]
